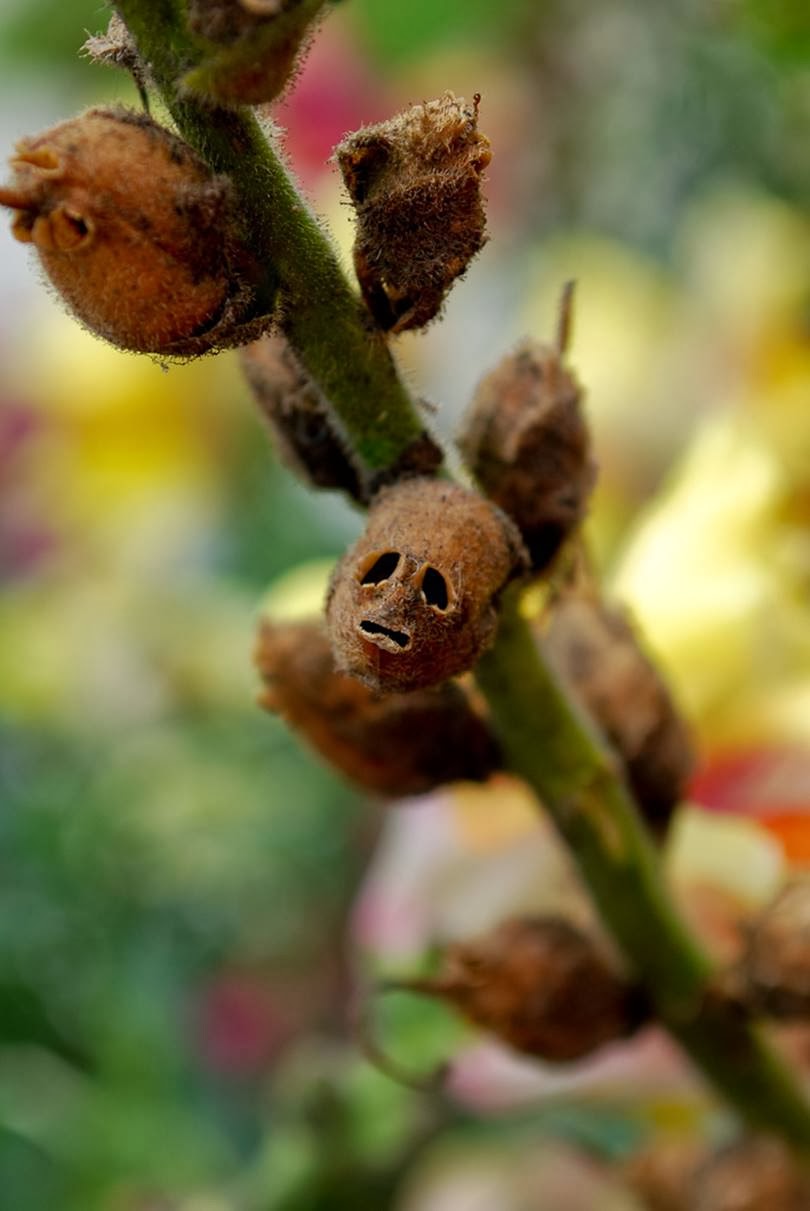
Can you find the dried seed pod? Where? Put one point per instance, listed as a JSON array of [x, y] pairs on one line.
[[526, 441], [399, 744], [259, 46], [136, 234], [776, 963], [662, 1176], [754, 1174], [597, 655], [415, 182], [540, 985], [413, 602], [299, 417]]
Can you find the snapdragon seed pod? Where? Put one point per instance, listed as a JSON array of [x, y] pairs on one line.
[[526, 441], [137, 235], [414, 601], [415, 182], [540, 985], [394, 744]]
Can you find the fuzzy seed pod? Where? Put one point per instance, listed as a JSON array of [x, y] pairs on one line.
[[413, 602], [541, 986], [754, 1174], [400, 744], [136, 234], [526, 441], [415, 182], [298, 416], [776, 963], [259, 44], [596, 654]]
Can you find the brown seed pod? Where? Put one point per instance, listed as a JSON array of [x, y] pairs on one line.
[[136, 234], [596, 654], [776, 962], [526, 441], [540, 985], [662, 1176], [415, 182], [413, 602], [259, 44], [298, 416], [754, 1174], [400, 744]]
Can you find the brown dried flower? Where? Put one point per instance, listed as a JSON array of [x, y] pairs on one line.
[[399, 744], [136, 234], [415, 182], [413, 602], [776, 963], [526, 441], [597, 655], [540, 985]]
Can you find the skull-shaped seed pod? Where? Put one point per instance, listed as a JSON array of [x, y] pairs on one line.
[[415, 182], [776, 962], [540, 985], [756, 1173], [394, 745], [136, 234], [597, 655], [526, 441], [414, 601]]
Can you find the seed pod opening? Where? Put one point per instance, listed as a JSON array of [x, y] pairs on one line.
[[541, 986], [526, 441], [136, 234], [415, 182], [413, 602], [397, 744], [776, 963], [597, 655]]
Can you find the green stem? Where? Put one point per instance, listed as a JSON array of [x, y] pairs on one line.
[[321, 315], [545, 740]]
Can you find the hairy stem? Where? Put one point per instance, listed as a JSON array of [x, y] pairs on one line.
[[544, 738], [321, 315]]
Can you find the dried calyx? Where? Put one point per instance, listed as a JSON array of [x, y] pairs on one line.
[[540, 985], [136, 234], [394, 745], [526, 441], [415, 182], [598, 657], [414, 601]]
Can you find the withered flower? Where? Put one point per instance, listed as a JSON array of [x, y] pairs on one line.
[[415, 182], [137, 235], [394, 744], [414, 601]]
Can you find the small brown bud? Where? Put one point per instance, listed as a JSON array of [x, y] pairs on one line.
[[754, 1174], [136, 234], [526, 441], [776, 963], [259, 44], [415, 182], [597, 655], [400, 744], [540, 985], [298, 416], [413, 602]]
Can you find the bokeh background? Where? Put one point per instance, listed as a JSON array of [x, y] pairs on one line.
[[187, 898]]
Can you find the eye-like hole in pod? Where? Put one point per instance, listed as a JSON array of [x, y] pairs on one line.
[[434, 588], [381, 568]]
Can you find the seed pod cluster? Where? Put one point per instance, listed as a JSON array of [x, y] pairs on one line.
[[415, 182], [396, 745], [526, 441], [136, 234], [776, 962], [258, 46], [413, 602], [298, 416], [541, 986], [596, 654]]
